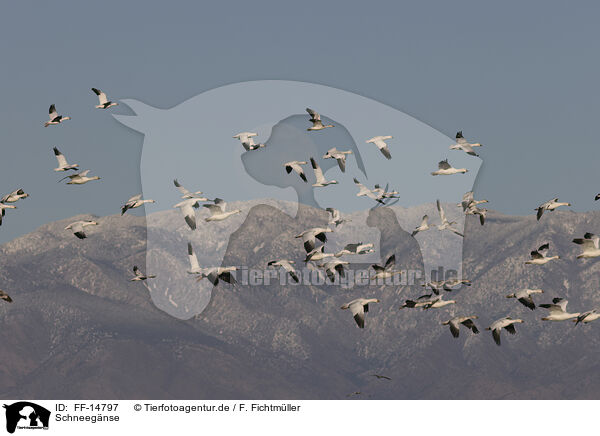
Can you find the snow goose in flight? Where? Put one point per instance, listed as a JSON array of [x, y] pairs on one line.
[[339, 156], [332, 266], [468, 201], [586, 317], [4, 296], [462, 144], [446, 285], [383, 193], [247, 141], [310, 236], [558, 311], [421, 227], [185, 194], [320, 178], [422, 301], [358, 248], [213, 275], [103, 102], [295, 165], [506, 323], [364, 191], [54, 117], [286, 265], [474, 210], [387, 270], [590, 244], [379, 141], [63, 165], [187, 209], [315, 119], [77, 227], [317, 254], [524, 297], [437, 302], [381, 377], [359, 307], [139, 276], [539, 258], [194, 265], [335, 218], [455, 323], [549, 205], [597, 197], [217, 211], [79, 178], [445, 224], [14, 196], [445, 169], [134, 202], [3, 208]]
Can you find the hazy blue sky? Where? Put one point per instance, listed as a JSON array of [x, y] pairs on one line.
[[520, 77]]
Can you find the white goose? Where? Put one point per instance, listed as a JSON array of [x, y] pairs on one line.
[[335, 217], [421, 227], [549, 205], [332, 266], [524, 297], [445, 169], [247, 141], [79, 178], [320, 178], [54, 118], [539, 258], [386, 271], [468, 201], [445, 224], [226, 274], [14, 196], [63, 165], [474, 210], [558, 311], [462, 144], [586, 317], [139, 276], [506, 323], [317, 254], [364, 191], [217, 211], [422, 301], [187, 209], [315, 119], [379, 141], [438, 302], [590, 244], [339, 156], [287, 266], [455, 323], [359, 307], [134, 202], [77, 227], [310, 236], [186, 194], [103, 102], [358, 248], [295, 166], [3, 208]]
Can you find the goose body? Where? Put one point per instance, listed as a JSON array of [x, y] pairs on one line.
[[332, 266], [63, 165], [421, 227], [317, 254], [296, 166], [287, 266], [187, 210], [214, 275], [139, 276], [335, 217], [247, 141], [339, 156], [464, 145], [507, 324], [54, 118], [524, 297], [363, 191], [386, 271], [379, 141], [445, 169], [315, 119], [438, 302], [550, 205], [79, 178], [358, 248], [590, 244], [14, 196], [103, 102], [421, 301], [587, 317], [455, 323], [444, 223], [359, 307], [217, 211], [186, 194], [539, 258], [320, 178], [469, 201], [3, 208], [310, 237], [558, 311], [134, 202], [481, 212], [77, 227], [4, 296]]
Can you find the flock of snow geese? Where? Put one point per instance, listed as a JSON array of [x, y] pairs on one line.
[[314, 239]]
